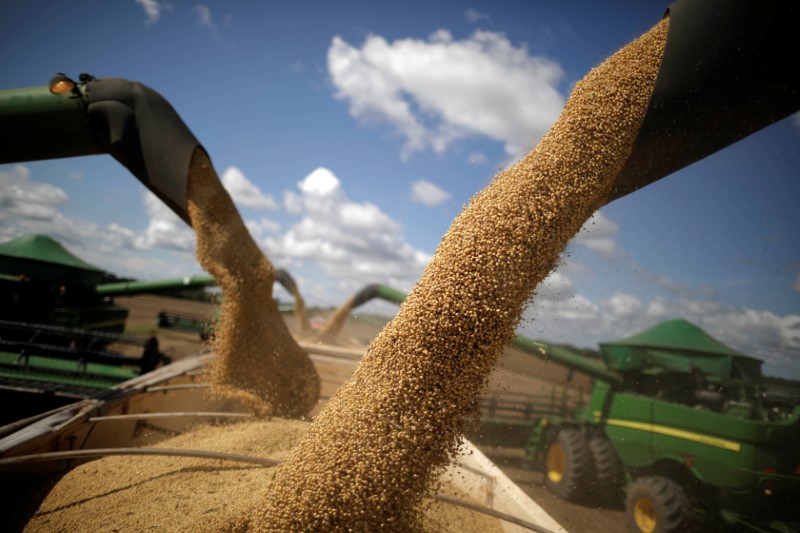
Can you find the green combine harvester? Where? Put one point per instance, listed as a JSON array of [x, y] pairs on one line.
[[60, 325], [43, 283], [679, 428], [57, 321]]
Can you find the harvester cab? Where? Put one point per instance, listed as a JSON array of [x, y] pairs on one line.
[[678, 362]]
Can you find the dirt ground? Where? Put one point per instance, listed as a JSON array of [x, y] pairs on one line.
[[516, 373]]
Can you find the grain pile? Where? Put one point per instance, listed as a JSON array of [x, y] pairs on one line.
[[167, 494], [174, 494], [382, 439], [256, 359]]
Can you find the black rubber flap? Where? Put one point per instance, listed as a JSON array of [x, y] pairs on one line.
[[730, 68], [141, 130]]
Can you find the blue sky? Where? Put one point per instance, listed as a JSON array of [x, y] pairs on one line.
[[350, 134]]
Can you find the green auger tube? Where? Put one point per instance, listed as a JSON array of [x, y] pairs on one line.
[[377, 291], [123, 118]]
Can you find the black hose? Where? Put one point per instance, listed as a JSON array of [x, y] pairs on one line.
[[142, 130]]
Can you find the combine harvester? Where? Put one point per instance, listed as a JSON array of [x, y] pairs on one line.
[[679, 428], [61, 332]]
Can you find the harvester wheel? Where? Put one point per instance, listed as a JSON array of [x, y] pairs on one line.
[[609, 473], [657, 505], [568, 465]]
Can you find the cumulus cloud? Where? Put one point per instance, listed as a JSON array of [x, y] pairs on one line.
[[23, 200], [244, 192], [433, 92], [165, 230], [560, 314], [262, 227], [624, 305], [597, 234], [351, 241], [427, 193], [571, 319], [556, 286], [28, 206]]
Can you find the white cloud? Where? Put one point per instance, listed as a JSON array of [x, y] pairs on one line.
[[320, 183], [355, 243], [31, 207], [556, 286], [558, 314], [152, 9], [165, 229], [244, 192], [337, 246], [796, 283], [204, 18], [427, 193], [477, 158], [597, 235], [263, 227], [437, 91], [623, 305], [572, 319], [657, 310], [23, 200], [474, 16]]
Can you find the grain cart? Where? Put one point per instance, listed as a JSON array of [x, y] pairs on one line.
[[687, 427]]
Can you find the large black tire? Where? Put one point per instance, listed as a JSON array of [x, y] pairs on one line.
[[568, 465], [657, 505], [609, 472]]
